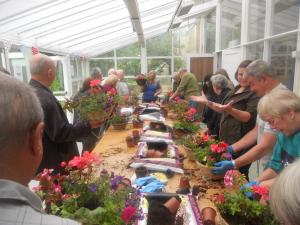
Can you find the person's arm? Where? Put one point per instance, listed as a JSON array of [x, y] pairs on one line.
[[158, 91], [258, 151], [180, 88], [267, 175]]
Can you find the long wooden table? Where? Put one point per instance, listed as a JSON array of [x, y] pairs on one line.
[[116, 158]]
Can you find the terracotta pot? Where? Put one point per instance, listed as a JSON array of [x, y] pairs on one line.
[[136, 133], [119, 126], [177, 134], [137, 124], [141, 172], [208, 216], [184, 182], [129, 142], [172, 204]]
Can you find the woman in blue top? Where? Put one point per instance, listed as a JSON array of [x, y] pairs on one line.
[[152, 88], [281, 109]]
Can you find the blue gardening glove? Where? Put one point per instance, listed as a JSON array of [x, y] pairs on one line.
[[230, 149], [222, 167], [249, 185]]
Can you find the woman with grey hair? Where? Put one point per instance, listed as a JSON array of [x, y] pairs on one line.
[[284, 195], [281, 108], [238, 115]]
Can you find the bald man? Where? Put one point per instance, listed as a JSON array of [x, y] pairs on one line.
[[59, 136]]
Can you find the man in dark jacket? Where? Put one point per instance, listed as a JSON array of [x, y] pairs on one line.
[[59, 137]]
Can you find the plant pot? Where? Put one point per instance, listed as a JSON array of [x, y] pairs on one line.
[[129, 142], [177, 134], [172, 204], [184, 182], [141, 172], [208, 216], [137, 124], [206, 172], [136, 133], [119, 126]]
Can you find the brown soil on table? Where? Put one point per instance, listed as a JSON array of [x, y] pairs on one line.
[[116, 158]]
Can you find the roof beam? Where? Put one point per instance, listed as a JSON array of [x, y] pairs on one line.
[[134, 13]]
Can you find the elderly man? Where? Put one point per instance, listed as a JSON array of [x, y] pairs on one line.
[[262, 80], [188, 85], [59, 137], [122, 87], [21, 152]]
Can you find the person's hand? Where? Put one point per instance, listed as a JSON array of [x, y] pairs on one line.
[[249, 185], [227, 107], [222, 167]]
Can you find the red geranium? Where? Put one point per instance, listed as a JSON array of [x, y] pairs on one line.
[[95, 82]]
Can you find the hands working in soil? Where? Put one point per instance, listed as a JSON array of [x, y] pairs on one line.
[[223, 166], [249, 185]]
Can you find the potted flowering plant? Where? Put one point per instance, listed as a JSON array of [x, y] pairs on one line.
[[84, 192], [98, 103], [118, 121], [185, 123], [237, 209], [141, 79]]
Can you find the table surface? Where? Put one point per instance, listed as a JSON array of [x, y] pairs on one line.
[[116, 158]]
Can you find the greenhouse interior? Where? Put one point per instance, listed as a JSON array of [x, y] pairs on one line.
[[139, 112]]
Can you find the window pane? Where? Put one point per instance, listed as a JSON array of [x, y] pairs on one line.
[[231, 23], [178, 63], [210, 28], [257, 12], [160, 46], [186, 40], [107, 54], [131, 67], [104, 64], [255, 51], [129, 51], [161, 66], [58, 84], [286, 16], [281, 58], [166, 83]]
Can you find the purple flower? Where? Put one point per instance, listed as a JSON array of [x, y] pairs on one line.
[[93, 187], [115, 181]]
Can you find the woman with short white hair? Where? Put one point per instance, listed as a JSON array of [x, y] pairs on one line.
[[281, 109], [284, 195]]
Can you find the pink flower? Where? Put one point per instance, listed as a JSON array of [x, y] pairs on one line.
[[231, 177], [37, 188], [63, 164], [57, 188], [128, 213], [262, 191], [112, 91], [95, 82], [214, 147], [223, 145], [192, 111]]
